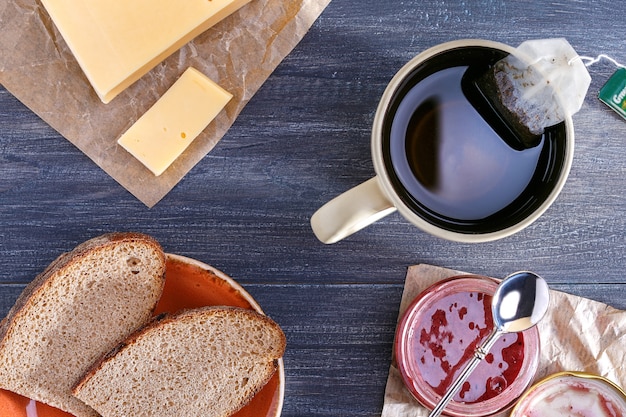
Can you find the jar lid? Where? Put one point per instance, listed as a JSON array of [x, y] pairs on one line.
[[571, 393]]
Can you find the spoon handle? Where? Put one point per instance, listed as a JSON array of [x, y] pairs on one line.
[[479, 354]]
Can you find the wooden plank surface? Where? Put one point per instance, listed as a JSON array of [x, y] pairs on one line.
[[303, 139]]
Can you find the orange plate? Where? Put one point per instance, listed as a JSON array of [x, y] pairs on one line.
[[189, 284]]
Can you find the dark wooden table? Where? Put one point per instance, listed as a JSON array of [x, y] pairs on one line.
[[303, 139]]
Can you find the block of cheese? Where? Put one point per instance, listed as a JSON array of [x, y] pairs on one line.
[[174, 121], [117, 41]]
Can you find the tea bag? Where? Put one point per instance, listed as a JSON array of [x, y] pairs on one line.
[[526, 92]]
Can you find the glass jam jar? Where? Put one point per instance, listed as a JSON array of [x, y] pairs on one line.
[[438, 334], [567, 394]]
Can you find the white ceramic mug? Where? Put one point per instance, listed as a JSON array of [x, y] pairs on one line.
[[386, 192]]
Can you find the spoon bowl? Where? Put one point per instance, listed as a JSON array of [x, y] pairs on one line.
[[520, 301]]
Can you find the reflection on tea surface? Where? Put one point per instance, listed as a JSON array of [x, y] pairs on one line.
[[448, 158]]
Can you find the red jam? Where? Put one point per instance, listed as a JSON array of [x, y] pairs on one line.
[[445, 343], [438, 335]]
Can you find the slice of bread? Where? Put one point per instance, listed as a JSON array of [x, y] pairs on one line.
[[204, 362], [84, 304]]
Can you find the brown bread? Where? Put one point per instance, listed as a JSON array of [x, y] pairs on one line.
[[80, 307], [204, 362]]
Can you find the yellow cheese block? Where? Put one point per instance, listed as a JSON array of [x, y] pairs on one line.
[[117, 41], [174, 121]]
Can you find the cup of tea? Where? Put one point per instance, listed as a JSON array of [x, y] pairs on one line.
[[443, 165]]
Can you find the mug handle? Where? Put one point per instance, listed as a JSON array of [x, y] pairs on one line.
[[351, 211]]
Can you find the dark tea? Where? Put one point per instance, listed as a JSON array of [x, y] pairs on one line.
[[451, 165]]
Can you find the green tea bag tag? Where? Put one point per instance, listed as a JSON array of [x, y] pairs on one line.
[[613, 93]]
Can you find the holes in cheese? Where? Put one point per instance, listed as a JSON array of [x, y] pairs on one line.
[[116, 42], [174, 121]]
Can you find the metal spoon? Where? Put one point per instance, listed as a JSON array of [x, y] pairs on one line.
[[520, 301]]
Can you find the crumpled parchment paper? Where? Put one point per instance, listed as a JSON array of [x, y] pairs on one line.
[[577, 334], [239, 53]]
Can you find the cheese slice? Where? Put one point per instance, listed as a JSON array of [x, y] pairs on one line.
[[117, 41], [174, 121]]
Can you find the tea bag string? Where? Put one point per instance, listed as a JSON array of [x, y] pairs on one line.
[[589, 61]]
